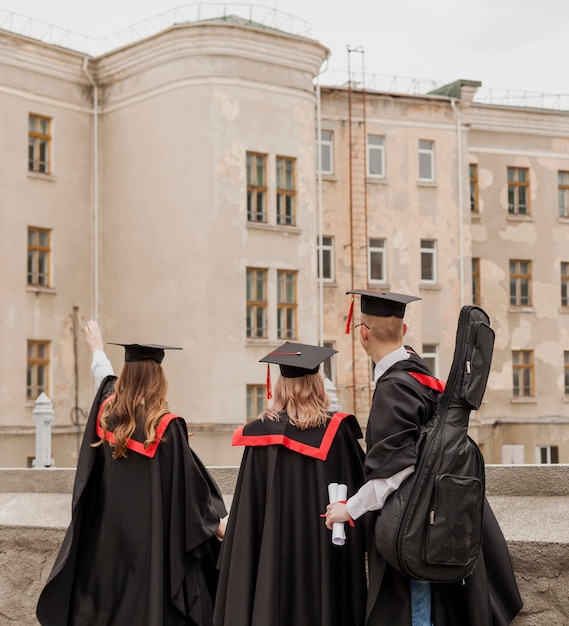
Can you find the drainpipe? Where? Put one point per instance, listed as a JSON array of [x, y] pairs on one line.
[[319, 203], [460, 198], [96, 280]]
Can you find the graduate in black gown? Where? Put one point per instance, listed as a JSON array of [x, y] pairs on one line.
[[278, 566], [147, 517], [489, 596]]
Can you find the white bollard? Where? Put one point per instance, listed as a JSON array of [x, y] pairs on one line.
[[43, 417]]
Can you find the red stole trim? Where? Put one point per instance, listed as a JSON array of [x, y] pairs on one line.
[[239, 439], [429, 381], [132, 444]]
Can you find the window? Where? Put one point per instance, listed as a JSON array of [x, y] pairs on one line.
[[39, 253], [476, 281], [255, 401], [518, 191], [431, 357], [327, 248], [256, 303], [520, 283], [286, 191], [39, 144], [377, 260], [428, 260], [548, 454], [376, 156], [326, 150], [286, 304], [38, 369], [426, 160], [566, 372], [563, 181], [327, 367], [522, 363], [256, 187], [564, 284], [474, 204]]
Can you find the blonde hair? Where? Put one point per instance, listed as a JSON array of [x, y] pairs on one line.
[[139, 400], [385, 329], [304, 399]]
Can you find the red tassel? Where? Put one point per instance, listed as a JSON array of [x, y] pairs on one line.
[[350, 315], [268, 384]]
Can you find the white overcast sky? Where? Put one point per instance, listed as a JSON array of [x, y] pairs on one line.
[[505, 44]]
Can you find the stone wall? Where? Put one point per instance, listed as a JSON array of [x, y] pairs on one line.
[[530, 502]]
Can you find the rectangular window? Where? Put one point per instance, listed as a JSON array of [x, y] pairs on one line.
[[523, 374], [548, 454], [428, 260], [327, 249], [431, 357], [325, 149], [256, 187], [476, 281], [376, 156], [377, 260], [520, 283], [255, 401], [563, 181], [39, 143], [256, 303], [564, 284], [286, 304], [518, 191], [38, 369], [474, 205], [566, 372], [327, 366], [513, 454], [286, 191], [426, 160], [39, 254]]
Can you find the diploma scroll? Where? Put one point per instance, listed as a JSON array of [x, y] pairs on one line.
[[338, 491]]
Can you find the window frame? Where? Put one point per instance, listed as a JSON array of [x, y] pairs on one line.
[[37, 137], [254, 306], [521, 367], [430, 354], [285, 195], [563, 193], [327, 250], [564, 284], [322, 145], [551, 454], [36, 253], [375, 250], [474, 189], [566, 373], [256, 395], [371, 150], [256, 189], [33, 364], [429, 251], [328, 365], [517, 188], [476, 282], [520, 281], [287, 326], [427, 152]]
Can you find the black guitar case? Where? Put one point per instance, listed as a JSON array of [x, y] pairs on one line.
[[431, 527]]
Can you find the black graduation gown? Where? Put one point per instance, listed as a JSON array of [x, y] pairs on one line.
[[278, 566], [488, 597], [140, 548]]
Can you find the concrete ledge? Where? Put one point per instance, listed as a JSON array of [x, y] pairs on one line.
[[531, 503]]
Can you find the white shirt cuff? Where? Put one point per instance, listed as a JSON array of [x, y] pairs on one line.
[[101, 367]]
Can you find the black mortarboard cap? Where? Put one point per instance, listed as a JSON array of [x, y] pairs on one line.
[[139, 352], [298, 359], [383, 303]]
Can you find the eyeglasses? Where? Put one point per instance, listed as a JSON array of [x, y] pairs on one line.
[[357, 326]]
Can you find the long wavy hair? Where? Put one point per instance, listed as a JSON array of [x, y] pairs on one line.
[[303, 399], [139, 401]]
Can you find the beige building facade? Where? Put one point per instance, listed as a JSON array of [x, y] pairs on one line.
[[174, 190]]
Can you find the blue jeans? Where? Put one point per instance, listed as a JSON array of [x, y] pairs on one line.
[[420, 603]]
